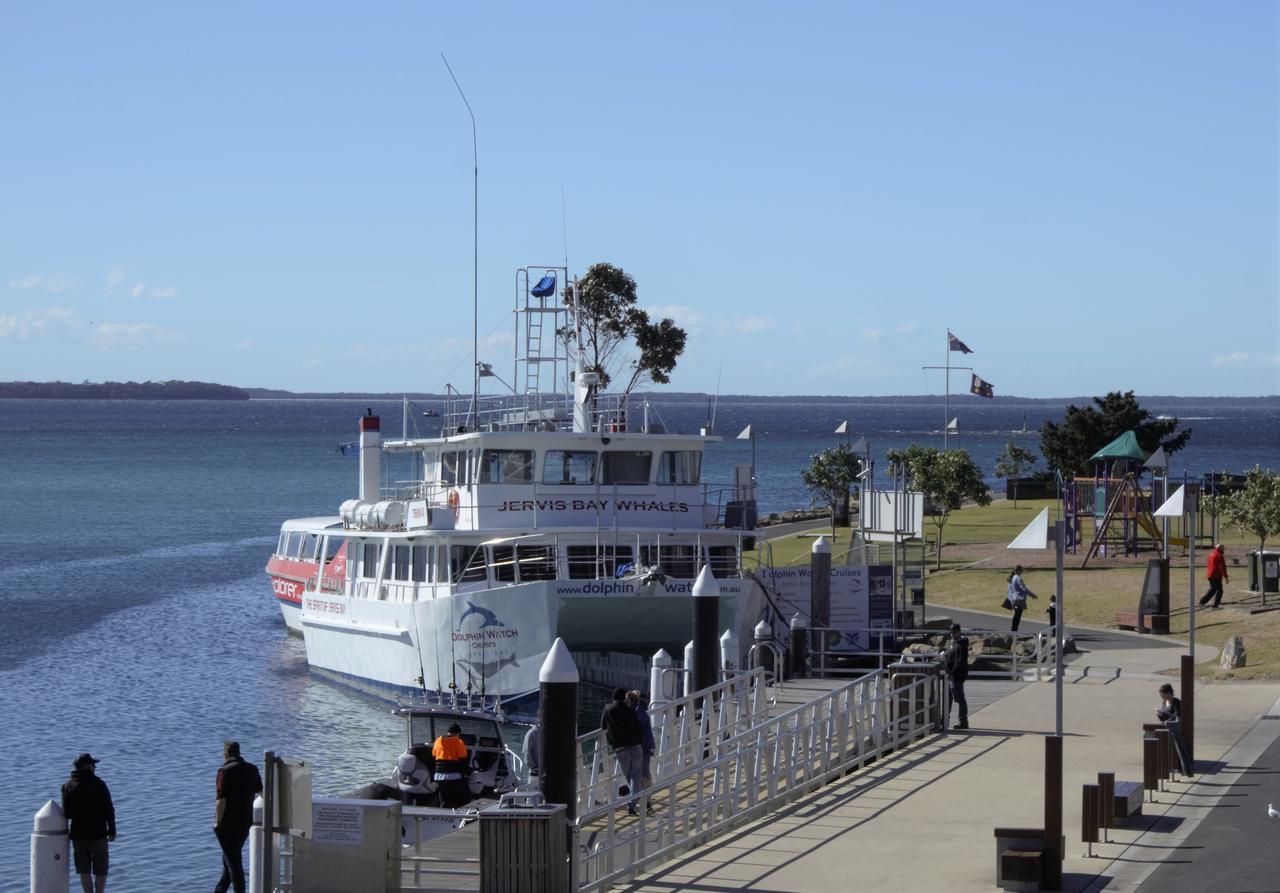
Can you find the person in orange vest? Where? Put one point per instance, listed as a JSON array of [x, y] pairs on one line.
[[1216, 572], [453, 765]]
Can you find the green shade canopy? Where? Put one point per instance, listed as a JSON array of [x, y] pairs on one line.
[[1123, 447]]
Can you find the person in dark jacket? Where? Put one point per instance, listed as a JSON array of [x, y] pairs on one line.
[[1170, 714], [86, 802], [238, 783], [955, 660], [622, 733]]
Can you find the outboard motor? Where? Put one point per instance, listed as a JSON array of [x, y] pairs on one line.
[[413, 778]]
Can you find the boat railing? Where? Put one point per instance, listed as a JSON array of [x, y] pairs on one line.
[[753, 772], [683, 733]]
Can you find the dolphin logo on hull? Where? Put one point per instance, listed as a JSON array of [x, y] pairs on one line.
[[488, 668], [488, 617]]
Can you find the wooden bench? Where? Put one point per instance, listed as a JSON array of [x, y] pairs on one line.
[[1154, 623], [1015, 847], [1128, 801]]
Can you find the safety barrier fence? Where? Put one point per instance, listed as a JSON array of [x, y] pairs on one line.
[[746, 775], [829, 656], [682, 734]]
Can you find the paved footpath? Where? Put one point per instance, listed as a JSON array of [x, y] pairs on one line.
[[923, 819]]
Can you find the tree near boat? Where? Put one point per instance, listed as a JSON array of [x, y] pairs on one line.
[[1013, 463], [946, 479], [1254, 508], [616, 336], [1068, 446], [830, 475]]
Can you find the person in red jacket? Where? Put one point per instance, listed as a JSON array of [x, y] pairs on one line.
[[1217, 575]]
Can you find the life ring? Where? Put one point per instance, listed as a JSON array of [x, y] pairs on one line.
[[453, 501]]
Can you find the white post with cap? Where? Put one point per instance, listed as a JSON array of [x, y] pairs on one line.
[[50, 849]]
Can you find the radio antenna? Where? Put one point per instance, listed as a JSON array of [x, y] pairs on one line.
[[475, 248]]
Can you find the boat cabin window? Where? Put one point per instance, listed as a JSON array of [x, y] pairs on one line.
[[332, 547], [675, 561], [590, 563], [449, 468], [466, 564], [723, 560], [311, 547], [504, 564], [400, 563], [283, 543], [424, 730], [679, 467], [421, 563], [570, 466], [294, 546], [626, 466], [536, 562], [506, 467], [369, 561]]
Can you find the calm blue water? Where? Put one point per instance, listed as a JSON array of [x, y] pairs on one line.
[[138, 623]]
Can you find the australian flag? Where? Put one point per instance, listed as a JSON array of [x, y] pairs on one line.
[[954, 343], [980, 388]]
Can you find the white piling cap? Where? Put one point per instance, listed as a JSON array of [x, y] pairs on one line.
[[799, 621], [706, 583], [821, 546], [50, 819], [728, 636], [763, 630], [259, 807], [559, 665], [661, 658]]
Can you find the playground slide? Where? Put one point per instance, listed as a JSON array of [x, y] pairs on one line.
[[1149, 526]]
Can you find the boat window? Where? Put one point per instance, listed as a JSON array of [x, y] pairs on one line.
[[536, 562], [282, 546], [400, 563], [674, 561], [626, 466], [506, 467], [723, 560], [449, 469], [590, 563], [332, 545], [679, 467], [421, 561], [295, 544], [369, 563], [466, 461], [570, 466], [430, 464], [504, 564], [311, 547], [466, 564], [424, 730]]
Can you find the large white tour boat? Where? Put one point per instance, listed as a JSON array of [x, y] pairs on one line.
[[532, 515]]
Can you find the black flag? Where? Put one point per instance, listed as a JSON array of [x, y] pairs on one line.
[[980, 388], [954, 343]]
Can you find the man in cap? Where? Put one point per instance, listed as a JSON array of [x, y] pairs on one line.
[[86, 802], [238, 783], [955, 660]]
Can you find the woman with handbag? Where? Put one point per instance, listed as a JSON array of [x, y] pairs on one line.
[[1017, 597]]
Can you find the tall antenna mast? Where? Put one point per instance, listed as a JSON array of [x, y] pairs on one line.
[[475, 248]]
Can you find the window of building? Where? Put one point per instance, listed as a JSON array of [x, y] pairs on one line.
[[679, 467], [506, 467], [626, 466], [570, 466], [466, 564]]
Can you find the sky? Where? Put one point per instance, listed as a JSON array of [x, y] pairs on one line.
[[281, 194]]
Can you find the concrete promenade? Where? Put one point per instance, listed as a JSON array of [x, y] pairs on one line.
[[923, 819]]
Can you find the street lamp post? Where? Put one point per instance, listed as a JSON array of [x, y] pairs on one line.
[[1175, 507]]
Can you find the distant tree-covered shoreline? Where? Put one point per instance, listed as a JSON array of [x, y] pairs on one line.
[[120, 390]]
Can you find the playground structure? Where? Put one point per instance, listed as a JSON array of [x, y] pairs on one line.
[[1111, 512]]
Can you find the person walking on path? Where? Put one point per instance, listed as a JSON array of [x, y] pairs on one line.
[[1216, 572], [1052, 611], [1170, 713], [640, 704], [532, 741], [955, 660], [86, 802], [238, 782], [453, 765], [622, 733], [1017, 596]]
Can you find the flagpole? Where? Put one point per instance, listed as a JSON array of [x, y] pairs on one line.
[[946, 395]]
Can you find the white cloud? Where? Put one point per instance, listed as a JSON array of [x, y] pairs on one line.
[[132, 335], [48, 282], [908, 328], [153, 292], [872, 336], [753, 325], [1241, 358], [113, 280], [686, 318], [33, 325]]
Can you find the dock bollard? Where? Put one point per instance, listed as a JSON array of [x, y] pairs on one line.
[[662, 684], [798, 665], [50, 848], [706, 630], [688, 668], [558, 751], [255, 846], [763, 636], [729, 652]]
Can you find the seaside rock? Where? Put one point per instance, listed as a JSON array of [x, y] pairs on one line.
[[920, 649], [1233, 653]]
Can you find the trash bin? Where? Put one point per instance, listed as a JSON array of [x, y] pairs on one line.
[[523, 849], [1267, 577], [902, 674]]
